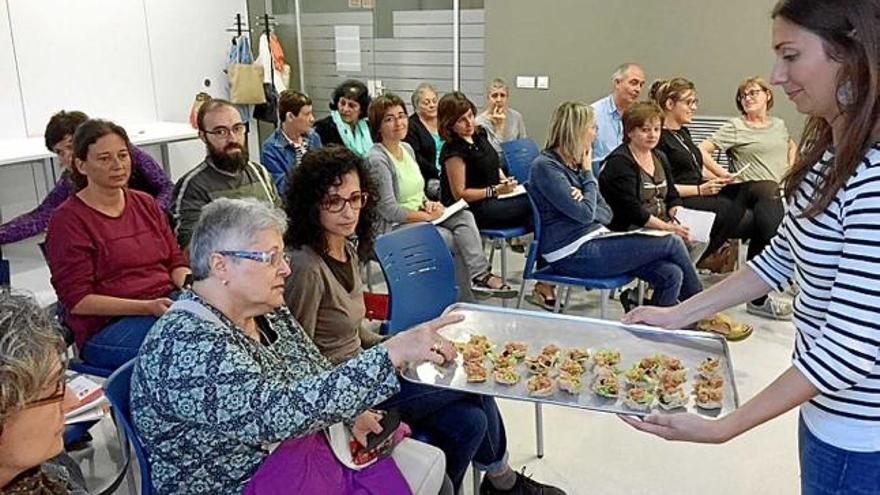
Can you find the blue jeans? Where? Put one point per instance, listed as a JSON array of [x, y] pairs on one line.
[[663, 262], [467, 427], [829, 470], [117, 343]]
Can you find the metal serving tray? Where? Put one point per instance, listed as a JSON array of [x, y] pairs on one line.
[[538, 329]]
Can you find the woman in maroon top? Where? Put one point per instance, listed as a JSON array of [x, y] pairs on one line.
[[113, 259]]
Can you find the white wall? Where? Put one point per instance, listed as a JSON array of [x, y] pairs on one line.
[[11, 121], [134, 61]]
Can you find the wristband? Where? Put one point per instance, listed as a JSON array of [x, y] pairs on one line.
[[699, 191]]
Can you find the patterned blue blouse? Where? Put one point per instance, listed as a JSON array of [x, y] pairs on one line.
[[208, 400]]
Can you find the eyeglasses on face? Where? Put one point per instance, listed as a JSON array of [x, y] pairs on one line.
[[57, 395], [273, 258], [752, 93], [224, 132], [336, 203]]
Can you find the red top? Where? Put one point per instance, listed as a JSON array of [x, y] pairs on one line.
[[129, 256]]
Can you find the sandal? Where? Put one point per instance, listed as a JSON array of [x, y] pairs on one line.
[[726, 327], [542, 301], [480, 285]]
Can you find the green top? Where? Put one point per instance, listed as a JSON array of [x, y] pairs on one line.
[[766, 149], [410, 182], [438, 143]]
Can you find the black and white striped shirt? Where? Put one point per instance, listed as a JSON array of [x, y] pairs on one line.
[[835, 258]]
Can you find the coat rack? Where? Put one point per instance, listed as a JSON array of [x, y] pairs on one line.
[[268, 20]]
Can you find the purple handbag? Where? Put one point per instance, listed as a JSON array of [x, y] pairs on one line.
[[308, 465]]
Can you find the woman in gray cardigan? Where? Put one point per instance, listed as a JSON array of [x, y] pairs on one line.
[[402, 199]]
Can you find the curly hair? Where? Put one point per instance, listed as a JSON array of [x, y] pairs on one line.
[[30, 349], [307, 186], [353, 90]]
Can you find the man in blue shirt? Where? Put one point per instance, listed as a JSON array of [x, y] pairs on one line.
[[628, 81], [284, 149]]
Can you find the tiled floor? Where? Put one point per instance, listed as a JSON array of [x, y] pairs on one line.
[[592, 453]]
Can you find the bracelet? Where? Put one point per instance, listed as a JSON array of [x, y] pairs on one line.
[[699, 191]]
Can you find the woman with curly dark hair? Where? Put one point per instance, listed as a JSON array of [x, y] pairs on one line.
[[330, 198]]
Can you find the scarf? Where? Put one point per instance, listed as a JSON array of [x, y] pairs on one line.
[[358, 141]]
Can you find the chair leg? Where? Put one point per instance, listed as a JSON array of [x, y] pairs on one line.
[[522, 295], [604, 294], [504, 267], [641, 292], [539, 430], [476, 479], [557, 308], [567, 298]]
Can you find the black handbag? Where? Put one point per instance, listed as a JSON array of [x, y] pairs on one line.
[[268, 112]]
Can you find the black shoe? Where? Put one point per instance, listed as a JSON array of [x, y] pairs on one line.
[[524, 485], [629, 299]]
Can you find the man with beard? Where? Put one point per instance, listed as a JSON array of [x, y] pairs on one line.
[[225, 173], [628, 80]]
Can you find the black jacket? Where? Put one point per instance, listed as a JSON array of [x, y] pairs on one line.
[[619, 183], [419, 137], [328, 131]]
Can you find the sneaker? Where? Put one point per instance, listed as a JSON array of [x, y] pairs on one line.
[[772, 308], [480, 287], [524, 485]]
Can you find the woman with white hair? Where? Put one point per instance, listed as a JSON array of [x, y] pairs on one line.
[[227, 373], [33, 400], [423, 136]]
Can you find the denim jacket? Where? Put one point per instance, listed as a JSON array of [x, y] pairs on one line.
[[563, 219], [279, 157]]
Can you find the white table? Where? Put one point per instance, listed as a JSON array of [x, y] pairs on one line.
[[24, 150]]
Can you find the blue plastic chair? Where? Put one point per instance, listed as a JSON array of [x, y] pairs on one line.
[[519, 154], [546, 274], [418, 270], [117, 389]]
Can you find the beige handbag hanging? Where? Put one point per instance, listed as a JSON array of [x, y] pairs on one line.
[[245, 79], [246, 84]]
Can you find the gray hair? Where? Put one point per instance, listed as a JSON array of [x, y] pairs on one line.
[[417, 93], [497, 83], [618, 72], [31, 347], [230, 224]]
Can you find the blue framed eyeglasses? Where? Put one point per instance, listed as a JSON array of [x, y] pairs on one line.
[[273, 258]]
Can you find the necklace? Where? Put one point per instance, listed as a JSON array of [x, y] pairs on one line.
[[687, 148]]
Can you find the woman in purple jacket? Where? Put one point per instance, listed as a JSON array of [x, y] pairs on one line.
[[146, 175]]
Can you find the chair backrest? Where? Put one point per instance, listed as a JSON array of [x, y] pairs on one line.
[[703, 127], [531, 258], [418, 270], [117, 389], [519, 155]]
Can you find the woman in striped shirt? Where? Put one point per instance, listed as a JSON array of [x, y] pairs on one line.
[[828, 55]]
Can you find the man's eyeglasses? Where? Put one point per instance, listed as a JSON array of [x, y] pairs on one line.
[[750, 94], [273, 258], [224, 132], [336, 203]]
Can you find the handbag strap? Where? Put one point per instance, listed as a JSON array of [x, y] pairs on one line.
[[199, 310]]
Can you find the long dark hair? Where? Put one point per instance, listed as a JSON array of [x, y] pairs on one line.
[[307, 185], [850, 34]]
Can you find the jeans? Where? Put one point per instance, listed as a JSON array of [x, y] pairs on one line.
[[118, 342], [663, 262], [467, 427], [494, 213], [829, 470]]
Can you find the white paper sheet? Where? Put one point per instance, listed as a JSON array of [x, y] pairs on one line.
[[520, 190], [450, 210], [699, 222]]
